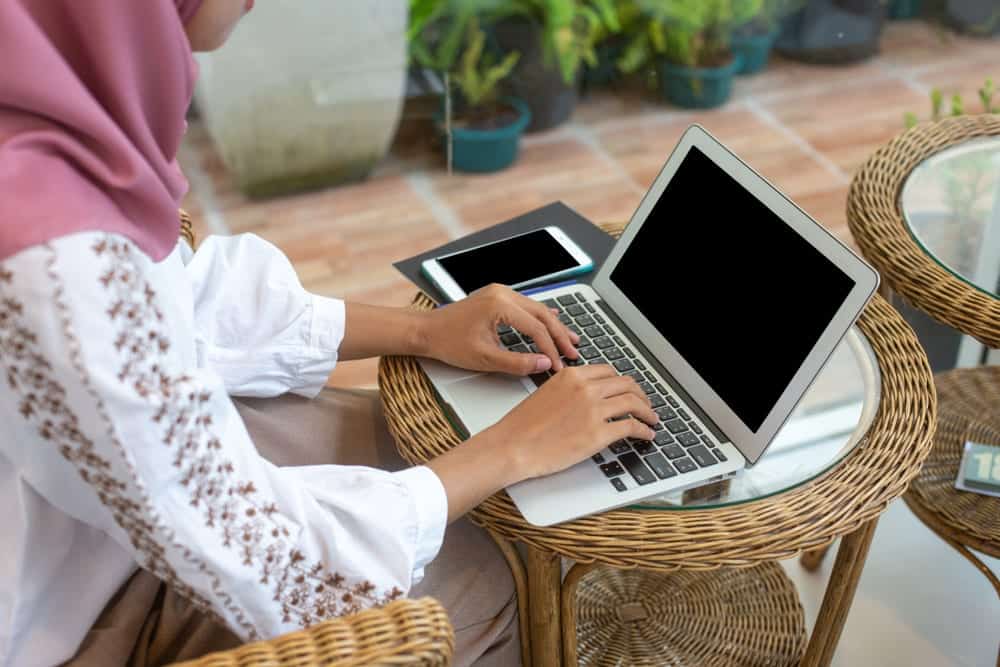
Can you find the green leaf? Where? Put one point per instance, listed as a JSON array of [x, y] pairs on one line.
[[937, 103], [910, 119], [957, 106]]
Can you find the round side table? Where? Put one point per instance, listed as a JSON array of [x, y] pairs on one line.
[[709, 564], [925, 210]]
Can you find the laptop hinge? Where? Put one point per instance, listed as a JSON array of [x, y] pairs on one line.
[[648, 356]]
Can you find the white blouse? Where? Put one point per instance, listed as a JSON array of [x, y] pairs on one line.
[[120, 447]]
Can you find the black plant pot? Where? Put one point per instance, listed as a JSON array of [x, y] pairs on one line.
[[833, 31], [540, 85], [974, 17]]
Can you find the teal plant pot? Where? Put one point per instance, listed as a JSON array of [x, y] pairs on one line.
[[753, 51], [483, 151], [698, 87], [905, 9]]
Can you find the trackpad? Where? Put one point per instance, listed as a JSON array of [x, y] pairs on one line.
[[483, 400]]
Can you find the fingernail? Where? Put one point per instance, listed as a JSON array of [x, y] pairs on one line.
[[652, 434], [542, 364]]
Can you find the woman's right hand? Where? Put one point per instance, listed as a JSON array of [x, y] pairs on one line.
[[567, 420]]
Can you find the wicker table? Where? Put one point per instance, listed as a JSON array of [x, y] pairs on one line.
[[925, 209], [710, 570]]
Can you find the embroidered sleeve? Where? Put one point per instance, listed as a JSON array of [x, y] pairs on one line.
[[94, 361], [256, 326]]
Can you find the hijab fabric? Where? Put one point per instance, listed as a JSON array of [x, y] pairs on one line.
[[93, 95]]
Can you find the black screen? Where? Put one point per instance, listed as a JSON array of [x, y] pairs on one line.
[[736, 291], [509, 262]]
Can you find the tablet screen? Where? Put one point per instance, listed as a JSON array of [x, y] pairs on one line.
[[736, 291]]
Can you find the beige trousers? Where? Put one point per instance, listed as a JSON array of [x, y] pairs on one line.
[[147, 623]]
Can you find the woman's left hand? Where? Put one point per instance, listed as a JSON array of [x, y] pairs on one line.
[[464, 333]]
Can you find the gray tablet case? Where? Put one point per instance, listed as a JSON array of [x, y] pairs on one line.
[[594, 242]]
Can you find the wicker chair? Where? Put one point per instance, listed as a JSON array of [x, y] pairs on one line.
[[405, 633]]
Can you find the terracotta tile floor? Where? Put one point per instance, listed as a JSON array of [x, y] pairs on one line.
[[807, 128]]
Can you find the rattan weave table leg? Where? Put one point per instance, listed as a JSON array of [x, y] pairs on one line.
[[811, 560], [839, 595], [544, 579], [521, 586]]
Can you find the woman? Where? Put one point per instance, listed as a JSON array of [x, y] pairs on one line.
[[149, 517]]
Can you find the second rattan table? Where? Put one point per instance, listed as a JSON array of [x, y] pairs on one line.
[[695, 579]]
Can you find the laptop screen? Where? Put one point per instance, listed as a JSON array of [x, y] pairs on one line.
[[737, 292]]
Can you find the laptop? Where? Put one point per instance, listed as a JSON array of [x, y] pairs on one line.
[[722, 299]]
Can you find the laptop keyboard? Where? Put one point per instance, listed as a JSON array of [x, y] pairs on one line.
[[680, 447]]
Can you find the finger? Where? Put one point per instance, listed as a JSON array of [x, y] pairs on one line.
[[619, 385], [565, 339], [594, 372], [517, 363], [628, 428], [526, 322], [629, 404]]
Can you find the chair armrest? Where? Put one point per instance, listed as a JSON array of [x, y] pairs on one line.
[[405, 632]]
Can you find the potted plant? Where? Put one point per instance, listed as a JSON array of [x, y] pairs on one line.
[[482, 129], [555, 38], [688, 41], [752, 41]]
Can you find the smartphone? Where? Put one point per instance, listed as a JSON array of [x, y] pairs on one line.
[[541, 256]]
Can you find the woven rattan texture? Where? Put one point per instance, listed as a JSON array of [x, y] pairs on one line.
[[187, 228], [746, 616], [415, 633], [876, 221], [813, 515], [969, 409]]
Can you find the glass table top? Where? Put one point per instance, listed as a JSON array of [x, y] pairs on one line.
[[827, 424], [951, 204]]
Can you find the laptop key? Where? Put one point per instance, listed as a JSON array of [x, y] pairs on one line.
[[589, 307], [566, 299], [638, 364], [551, 303], [640, 473], [598, 458], [575, 310], [589, 352], [657, 426], [651, 378], [635, 375], [603, 342], [575, 329], [645, 386], [719, 455], [660, 466], [656, 401], [643, 447], [620, 447], [673, 451], [666, 414], [663, 438], [683, 413], [695, 428], [504, 329], [629, 353], [509, 339], [519, 348], [539, 378], [599, 318], [623, 365], [660, 388], [675, 426], [584, 342], [594, 331], [579, 296], [618, 484], [612, 469], [565, 319], [685, 465], [702, 456], [585, 320], [574, 362], [613, 354], [708, 441], [607, 327], [619, 341], [687, 438]]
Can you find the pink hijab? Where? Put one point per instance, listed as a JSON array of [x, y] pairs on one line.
[[93, 95]]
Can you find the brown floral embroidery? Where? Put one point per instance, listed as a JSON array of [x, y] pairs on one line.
[[243, 518], [43, 401]]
